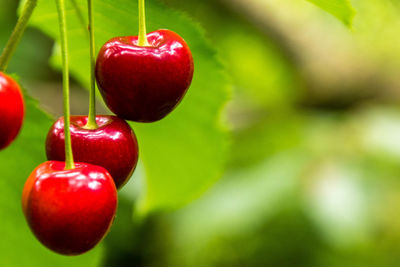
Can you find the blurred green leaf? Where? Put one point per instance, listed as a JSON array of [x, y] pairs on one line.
[[18, 246], [240, 208], [263, 77], [263, 139], [341, 9], [183, 154]]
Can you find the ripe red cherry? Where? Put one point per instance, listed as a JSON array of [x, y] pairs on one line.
[[112, 145], [11, 110], [144, 83], [69, 211]]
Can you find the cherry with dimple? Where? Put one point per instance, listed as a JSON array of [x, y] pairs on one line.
[[144, 83], [69, 211], [112, 145]]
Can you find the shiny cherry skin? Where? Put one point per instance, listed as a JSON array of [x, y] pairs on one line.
[[113, 145], [11, 110], [144, 84], [69, 211]]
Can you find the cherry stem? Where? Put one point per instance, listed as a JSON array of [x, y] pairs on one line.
[[69, 158], [16, 36], [142, 25], [91, 124]]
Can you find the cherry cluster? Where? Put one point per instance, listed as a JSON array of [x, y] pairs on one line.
[[70, 206]]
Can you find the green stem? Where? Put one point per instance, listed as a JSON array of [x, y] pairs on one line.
[[69, 159], [17, 34], [142, 25], [91, 124]]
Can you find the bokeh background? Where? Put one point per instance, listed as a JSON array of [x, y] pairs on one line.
[[312, 174]]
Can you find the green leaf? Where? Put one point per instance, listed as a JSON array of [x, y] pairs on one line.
[[341, 9], [18, 246], [183, 154]]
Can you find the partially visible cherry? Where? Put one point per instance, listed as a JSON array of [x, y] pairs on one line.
[[112, 145], [69, 211], [11, 110], [144, 83]]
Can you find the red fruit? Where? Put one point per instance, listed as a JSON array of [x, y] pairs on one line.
[[69, 211], [11, 110], [112, 145], [144, 83]]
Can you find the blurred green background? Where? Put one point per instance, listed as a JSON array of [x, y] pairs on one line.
[[312, 174]]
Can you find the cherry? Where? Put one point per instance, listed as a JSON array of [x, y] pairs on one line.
[[69, 211], [112, 145], [144, 83], [11, 110]]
